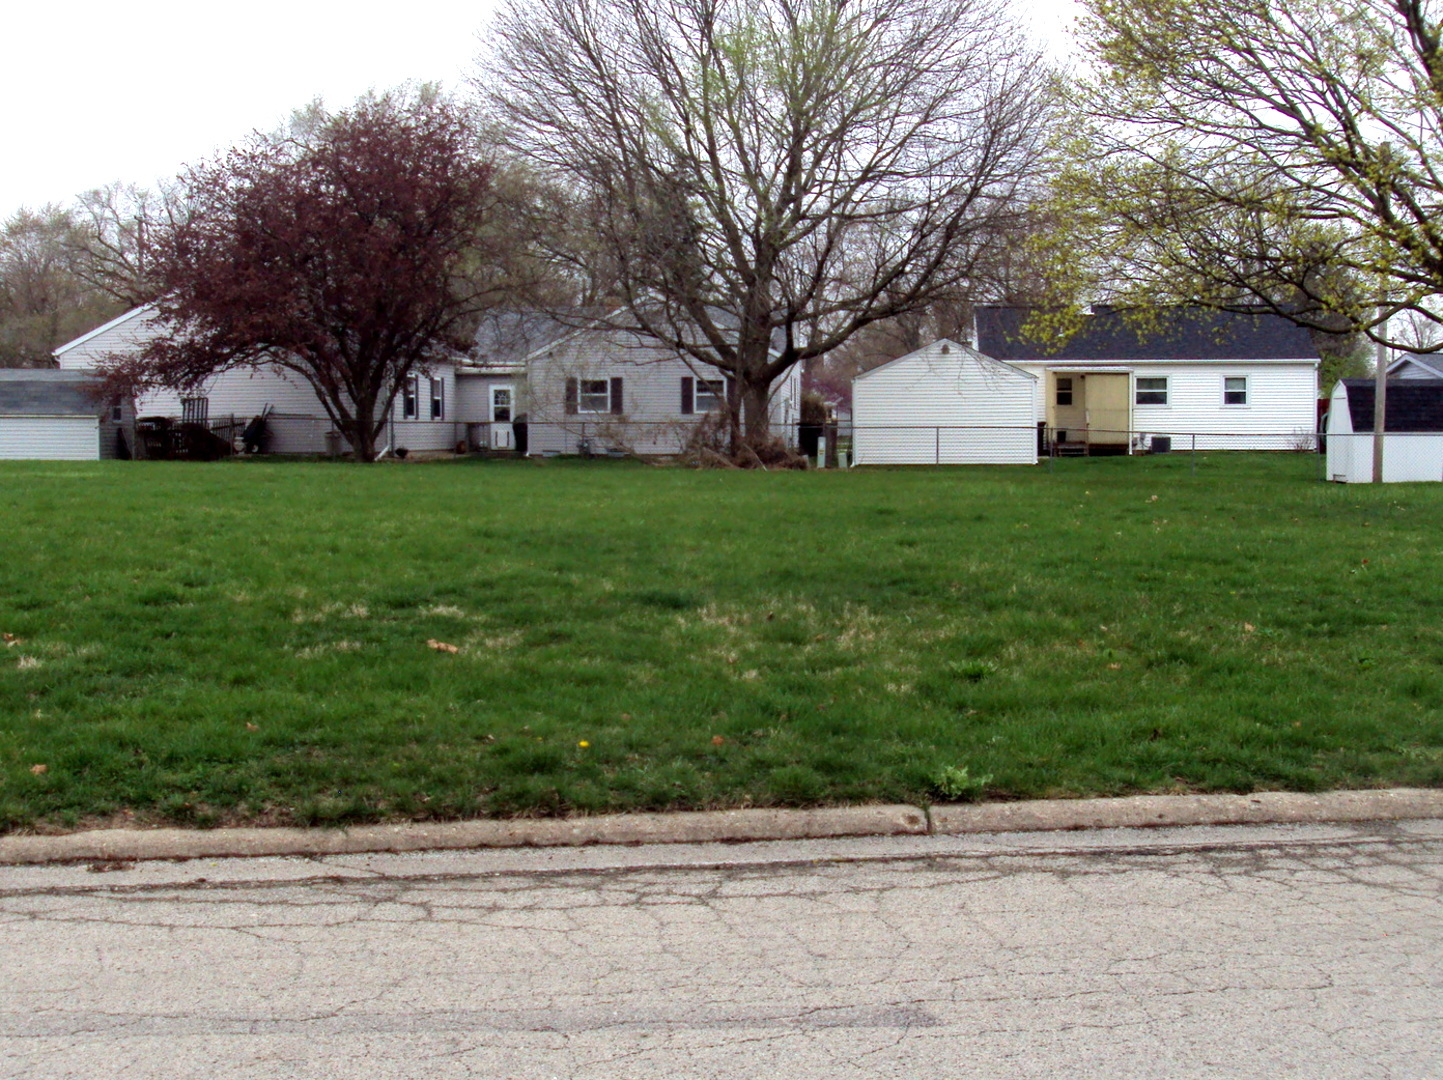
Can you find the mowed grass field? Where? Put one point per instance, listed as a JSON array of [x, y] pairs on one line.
[[251, 641]]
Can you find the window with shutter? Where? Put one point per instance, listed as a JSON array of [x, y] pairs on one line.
[[438, 399], [409, 393], [687, 401], [595, 396], [709, 394], [573, 403], [617, 406]]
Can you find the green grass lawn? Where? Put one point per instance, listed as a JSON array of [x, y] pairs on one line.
[[248, 641]]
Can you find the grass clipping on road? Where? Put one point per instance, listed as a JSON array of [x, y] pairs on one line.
[[318, 642]]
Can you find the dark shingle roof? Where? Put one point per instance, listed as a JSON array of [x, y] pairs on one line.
[[1412, 405], [1180, 334], [41, 392]]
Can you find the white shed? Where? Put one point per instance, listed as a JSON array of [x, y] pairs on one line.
[[945, 404], [56, 416], [1412, 431]]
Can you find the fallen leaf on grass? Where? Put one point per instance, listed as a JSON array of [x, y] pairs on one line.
[[717, 740], [1114, 667], [10, 640], [253, 727], [39, 770], [1248, 628], [442, 646]]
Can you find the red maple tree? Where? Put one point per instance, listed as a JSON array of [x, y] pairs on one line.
[[337, 254]]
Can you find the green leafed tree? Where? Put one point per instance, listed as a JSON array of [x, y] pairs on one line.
[[1262, 155]]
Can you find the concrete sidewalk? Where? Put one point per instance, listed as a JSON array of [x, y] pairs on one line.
[[732, 826]]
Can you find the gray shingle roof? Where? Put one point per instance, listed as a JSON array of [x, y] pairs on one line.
[[41, 392], [1181, 334], [1412, 405]]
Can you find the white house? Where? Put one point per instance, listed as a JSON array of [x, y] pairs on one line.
[[1412, 431], [599, 388], [1417, 366], [945, 404], [580, 384], [1208, 379], [424, 416]]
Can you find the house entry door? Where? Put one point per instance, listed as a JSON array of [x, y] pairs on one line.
[[503, 436], [1109, 410]]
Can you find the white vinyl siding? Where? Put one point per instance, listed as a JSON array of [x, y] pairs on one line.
[[651, 421], [1281, 413], [50, 438], [944, 404]]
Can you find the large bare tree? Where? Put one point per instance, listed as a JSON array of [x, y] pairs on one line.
[[762, 179], [1275, 155]]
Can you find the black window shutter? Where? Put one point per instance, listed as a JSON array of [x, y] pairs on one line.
[[688, 398], [571, 400], [616, 404]]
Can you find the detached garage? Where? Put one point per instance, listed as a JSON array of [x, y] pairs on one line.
[[57, 416], [945, 404]]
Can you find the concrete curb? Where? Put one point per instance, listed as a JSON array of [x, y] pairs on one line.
[[677, 828], [732, 826], [1155, 811]]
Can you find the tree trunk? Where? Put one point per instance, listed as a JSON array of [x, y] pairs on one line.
[[362, 433], [755, 393]]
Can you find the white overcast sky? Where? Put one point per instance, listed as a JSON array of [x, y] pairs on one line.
[[95, 90]]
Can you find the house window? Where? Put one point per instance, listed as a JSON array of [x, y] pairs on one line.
[[438, 399], [595, 396], [409, 392], [117, 413], [709, 394], [1152, 391], [1235, 390], [194, 410], [1064, 391]]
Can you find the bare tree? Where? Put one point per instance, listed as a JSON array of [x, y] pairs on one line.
[[765, 178], [43, 299], [109, 244], [1264, 155]]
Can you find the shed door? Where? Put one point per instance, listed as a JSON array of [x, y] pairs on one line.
[[50, 438], [1109, 409]]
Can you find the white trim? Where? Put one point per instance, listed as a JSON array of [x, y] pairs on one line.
[[83, 338]]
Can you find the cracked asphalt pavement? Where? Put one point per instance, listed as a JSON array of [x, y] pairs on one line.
[[1300, 951]]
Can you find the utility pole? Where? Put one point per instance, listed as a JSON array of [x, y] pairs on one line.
[[1380, 408]]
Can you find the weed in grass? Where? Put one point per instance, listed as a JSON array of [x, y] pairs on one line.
[[957, 782]]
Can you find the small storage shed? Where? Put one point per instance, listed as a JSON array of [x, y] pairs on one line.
[[1412, 431], [58, 416], [945, 404]]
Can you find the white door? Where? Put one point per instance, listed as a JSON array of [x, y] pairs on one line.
[[502, 435]]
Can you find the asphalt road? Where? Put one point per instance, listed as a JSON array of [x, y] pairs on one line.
[[1246, 952]]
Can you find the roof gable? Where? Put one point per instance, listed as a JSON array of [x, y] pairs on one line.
[[119, 320], [1180, 333], [946, 347]]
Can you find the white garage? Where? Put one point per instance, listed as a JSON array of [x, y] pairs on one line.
[[945, 404], [57, 416]]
